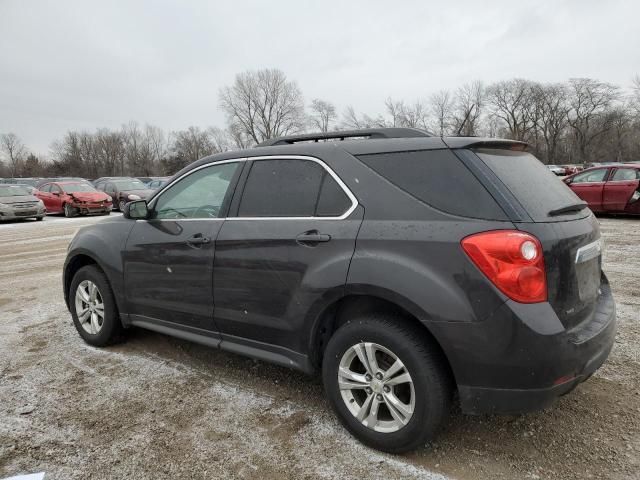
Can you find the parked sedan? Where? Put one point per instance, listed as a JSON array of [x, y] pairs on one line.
[[124, 190], [614, 189], [73, 198], [17, 202], [556, 170]]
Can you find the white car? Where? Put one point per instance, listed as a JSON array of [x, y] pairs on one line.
[[557, 170]]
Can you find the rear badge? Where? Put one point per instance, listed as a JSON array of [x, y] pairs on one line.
[[589, 251]]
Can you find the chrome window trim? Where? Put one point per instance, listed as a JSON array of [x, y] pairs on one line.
[[345, 189]]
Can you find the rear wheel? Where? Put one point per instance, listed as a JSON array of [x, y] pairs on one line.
[[387, 382], [93, 307]]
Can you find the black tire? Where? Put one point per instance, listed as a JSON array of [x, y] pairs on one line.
[[39, 219], [69, 211], [111, 330], [423, 361]]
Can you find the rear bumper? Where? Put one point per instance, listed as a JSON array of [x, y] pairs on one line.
[[521, 359], [479, 400]]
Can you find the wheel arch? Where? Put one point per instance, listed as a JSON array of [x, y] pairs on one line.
[[357, 303], [76, 262]]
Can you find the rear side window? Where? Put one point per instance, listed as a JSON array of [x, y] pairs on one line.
[[537, 189], [439, 179], [623, 174], [291, 188]]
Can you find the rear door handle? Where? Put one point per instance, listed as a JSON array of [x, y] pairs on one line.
[[198, 239], [312, 237]]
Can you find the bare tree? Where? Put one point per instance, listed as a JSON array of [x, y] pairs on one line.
[[190, 145], [441, 105], [350, 119], [323, 115], [512, 101], [469, 103], [590, 102], [404, 115], [264, 104], [551, 119], [14, 150]]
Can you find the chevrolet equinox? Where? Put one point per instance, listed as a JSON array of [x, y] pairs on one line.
[[409, 270]]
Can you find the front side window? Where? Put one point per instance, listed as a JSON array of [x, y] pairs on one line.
[[591, 176], [46, 188], [201, 194], [292, 188], [623, 174]]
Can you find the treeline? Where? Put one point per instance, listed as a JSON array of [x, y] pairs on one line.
[[581, 120]]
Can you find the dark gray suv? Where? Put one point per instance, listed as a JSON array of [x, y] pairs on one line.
[[404, 267]]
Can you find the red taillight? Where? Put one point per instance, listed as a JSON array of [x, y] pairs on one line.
[[512, 260]]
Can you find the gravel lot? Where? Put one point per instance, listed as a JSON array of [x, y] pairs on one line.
[[157, 407]]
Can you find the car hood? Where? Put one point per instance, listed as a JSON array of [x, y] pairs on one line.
[[18, 199], [90, 196], [140, 193]]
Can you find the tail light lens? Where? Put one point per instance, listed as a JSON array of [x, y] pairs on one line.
[[512, 260]]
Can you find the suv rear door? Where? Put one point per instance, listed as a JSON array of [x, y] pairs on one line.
[[619, 188], [285, 251]]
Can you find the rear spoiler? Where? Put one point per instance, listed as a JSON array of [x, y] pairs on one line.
[[476, 142]]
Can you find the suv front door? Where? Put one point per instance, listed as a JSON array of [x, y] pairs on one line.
[[283, 254], [589, 186], [168, 259]]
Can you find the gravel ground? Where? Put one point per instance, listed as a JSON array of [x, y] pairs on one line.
[[157, 407]]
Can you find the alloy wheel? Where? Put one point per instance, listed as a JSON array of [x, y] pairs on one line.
[[376, 387], [89, 307]]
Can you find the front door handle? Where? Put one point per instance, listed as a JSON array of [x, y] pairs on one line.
[[198, 239], [312, 237]]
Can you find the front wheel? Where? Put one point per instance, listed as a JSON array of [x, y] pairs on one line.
[[69, 211], [121, 205], [387, 382], [93, 307]]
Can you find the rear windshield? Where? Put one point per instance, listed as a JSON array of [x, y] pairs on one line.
[[537, 189], [439, 179]]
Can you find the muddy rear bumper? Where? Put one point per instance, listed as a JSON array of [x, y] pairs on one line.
[[531, 364]]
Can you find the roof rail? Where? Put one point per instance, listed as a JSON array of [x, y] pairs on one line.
[[370, 133]]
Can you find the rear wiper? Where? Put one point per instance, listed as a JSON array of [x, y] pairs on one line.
[[576, 207]]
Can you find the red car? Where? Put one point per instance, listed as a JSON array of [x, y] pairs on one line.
[[609, 188], [73, 198]]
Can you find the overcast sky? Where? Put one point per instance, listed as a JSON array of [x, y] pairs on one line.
[[87, 64]]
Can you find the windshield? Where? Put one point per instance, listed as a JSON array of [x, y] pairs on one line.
[[13, 191], [130, 185], [78, 187]]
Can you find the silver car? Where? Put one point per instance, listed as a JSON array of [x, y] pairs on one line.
[[16, 201]]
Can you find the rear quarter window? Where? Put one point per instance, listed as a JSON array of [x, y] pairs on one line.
[[439, 179]]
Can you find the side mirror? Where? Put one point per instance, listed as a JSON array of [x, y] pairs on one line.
[[136, 210], [567, 180], [57, 194]]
